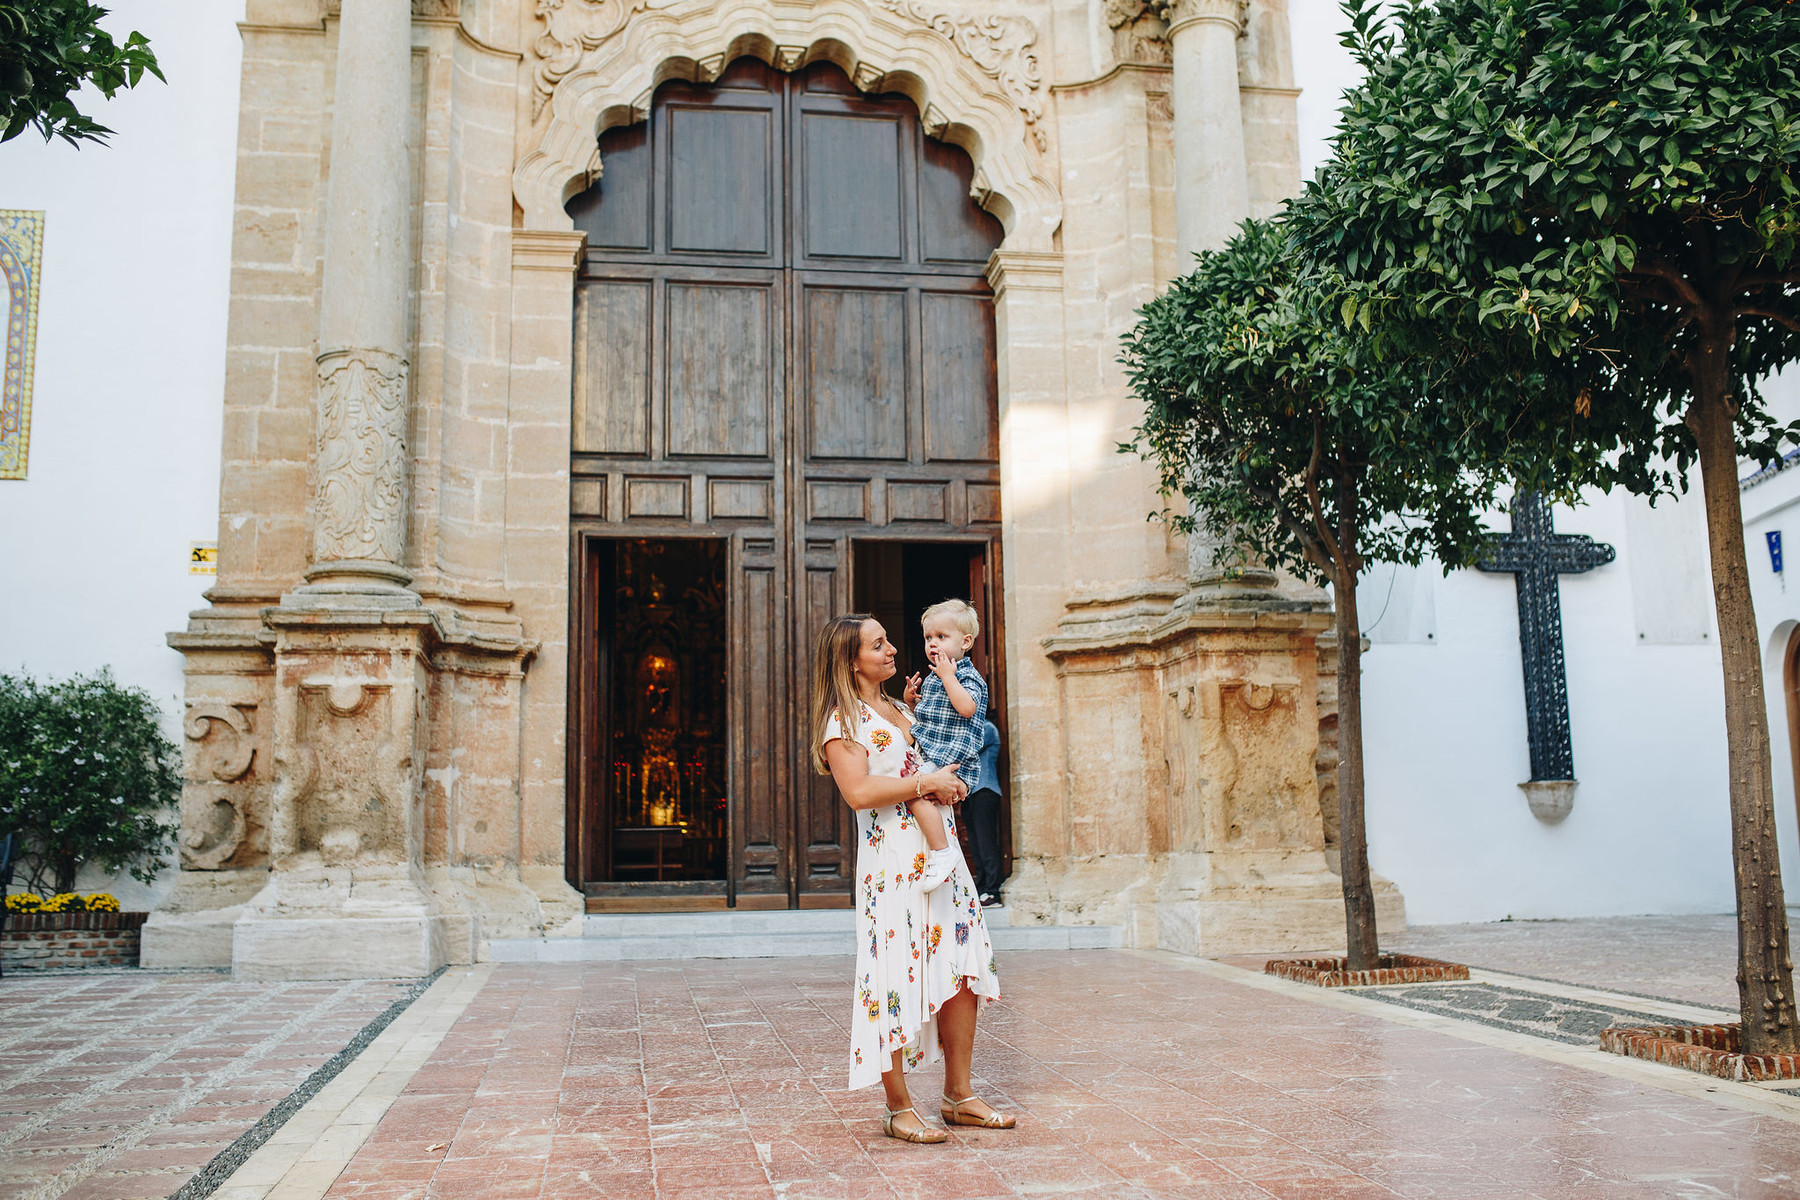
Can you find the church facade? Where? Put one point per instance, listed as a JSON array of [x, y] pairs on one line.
[[584, 355]]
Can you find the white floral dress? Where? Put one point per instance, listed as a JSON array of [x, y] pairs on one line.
[[913, 951]]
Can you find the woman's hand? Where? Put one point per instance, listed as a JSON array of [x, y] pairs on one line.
[[912, 688], [943, 786]]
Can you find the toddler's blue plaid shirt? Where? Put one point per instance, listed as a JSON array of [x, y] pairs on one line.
[[945, 736]]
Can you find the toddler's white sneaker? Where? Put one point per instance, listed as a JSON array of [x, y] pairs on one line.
[[939, 866]]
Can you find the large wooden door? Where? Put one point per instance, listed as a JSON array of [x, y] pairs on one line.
[[783, 336]]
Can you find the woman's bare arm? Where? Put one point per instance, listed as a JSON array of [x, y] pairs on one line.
[[850, 771]]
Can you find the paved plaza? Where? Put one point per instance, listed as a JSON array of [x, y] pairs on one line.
[[1134, 1074]]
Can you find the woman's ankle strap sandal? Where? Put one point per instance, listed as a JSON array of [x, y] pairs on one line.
[[953, 1114], [924, 1133]]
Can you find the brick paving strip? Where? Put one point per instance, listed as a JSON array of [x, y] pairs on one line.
[[119, 1085]]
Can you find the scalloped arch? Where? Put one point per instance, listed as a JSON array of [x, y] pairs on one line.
[[601, 60]]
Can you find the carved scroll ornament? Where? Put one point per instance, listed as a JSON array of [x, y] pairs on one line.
[[1001, 46], [360, 502]]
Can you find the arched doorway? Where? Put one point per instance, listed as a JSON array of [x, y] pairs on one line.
[[785, 407]]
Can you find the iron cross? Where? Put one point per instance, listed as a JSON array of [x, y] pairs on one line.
[[1535, 554]]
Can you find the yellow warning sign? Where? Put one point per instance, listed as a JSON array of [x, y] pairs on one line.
[[203, 558]]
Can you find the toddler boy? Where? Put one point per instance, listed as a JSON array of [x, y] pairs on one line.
[[947, 721]]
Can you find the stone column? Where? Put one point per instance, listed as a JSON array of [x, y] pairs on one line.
[[1212, 183], [1212, 190], [360, 489]]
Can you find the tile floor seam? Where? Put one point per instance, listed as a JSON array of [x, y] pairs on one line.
[[45, 1116], [187, 1095], [1745, 1097], [79, 1050]]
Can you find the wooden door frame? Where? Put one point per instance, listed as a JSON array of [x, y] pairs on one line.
[[1790, 687]]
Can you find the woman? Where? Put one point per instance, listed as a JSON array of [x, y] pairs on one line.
[[921, 960]]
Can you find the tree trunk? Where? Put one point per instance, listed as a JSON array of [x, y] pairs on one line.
[[1765, 969], [66, 866], [1360, 935]]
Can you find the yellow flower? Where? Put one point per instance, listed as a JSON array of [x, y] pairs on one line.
[[101, 902], [24, 902]]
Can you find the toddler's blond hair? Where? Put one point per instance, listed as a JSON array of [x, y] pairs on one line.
[[961, 615]]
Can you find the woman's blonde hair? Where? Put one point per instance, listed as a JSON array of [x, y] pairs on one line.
[[834, 680]]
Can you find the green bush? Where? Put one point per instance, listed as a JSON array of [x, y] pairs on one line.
[[86, 776]]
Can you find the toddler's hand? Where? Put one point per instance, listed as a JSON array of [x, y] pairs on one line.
[[912, 689], [942, 665]]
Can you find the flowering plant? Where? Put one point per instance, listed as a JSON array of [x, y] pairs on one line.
[[86, 776], [62, 902]]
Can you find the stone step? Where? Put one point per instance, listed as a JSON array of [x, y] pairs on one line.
[[787, 933]]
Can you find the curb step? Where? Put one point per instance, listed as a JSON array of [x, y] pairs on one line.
[[782, 933]]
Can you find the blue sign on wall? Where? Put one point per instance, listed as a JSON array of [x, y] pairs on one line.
[[1774, 536]]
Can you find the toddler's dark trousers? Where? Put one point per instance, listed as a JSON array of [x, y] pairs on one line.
[[982, 810]]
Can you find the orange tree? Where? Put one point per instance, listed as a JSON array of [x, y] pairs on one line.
[[1291, 441], [49, 49], [1597, 196]]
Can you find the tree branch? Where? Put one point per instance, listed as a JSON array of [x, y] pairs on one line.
[[1664, 271], [1312, 492], [1779, 318]]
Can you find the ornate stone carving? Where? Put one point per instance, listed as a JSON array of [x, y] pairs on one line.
[[1000, 45], [359, 505], [571, 29], [1139, 33], [232, 754], [214, 825]]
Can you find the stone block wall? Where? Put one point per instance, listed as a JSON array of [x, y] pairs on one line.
[[47, 941]]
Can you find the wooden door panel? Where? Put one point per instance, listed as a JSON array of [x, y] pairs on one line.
[[759, 726], [612, 369], [719, 353], [616, 210], [954, 231], [961, 390], [720, 182], [852, 190], [853, 368], [824, 822]]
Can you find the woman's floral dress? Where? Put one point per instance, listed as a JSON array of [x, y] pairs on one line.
[[913, 951]]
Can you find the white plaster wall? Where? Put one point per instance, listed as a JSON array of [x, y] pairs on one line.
[[1446, 748], [124, 468]]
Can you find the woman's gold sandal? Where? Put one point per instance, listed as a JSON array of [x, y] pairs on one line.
[[953, 1114], [923, 1134]]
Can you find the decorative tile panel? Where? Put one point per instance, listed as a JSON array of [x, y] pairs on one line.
[[21, 255]]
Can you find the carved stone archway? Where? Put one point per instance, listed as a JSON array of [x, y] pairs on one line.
[[975, 79]]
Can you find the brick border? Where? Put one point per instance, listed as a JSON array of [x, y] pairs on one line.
[[45, 922], [70, 941], [1707, 1049], [1394, 968]]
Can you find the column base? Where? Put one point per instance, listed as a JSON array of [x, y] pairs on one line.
[[1207, 905], [374, 921], [193, 925]]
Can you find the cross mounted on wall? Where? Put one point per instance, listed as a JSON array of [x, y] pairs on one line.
[[1535, 554]]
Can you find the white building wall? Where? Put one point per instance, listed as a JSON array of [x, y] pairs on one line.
[[1446, 747], [124, 466]]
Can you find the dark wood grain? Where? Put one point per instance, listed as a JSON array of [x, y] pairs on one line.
[[784, 336]]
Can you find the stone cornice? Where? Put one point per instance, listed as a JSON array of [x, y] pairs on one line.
[[1025, 270], [547, 249], [1183, 13]]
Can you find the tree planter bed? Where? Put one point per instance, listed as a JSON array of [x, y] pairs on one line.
[[42, 941], [1394, 968], [1708, 1049]]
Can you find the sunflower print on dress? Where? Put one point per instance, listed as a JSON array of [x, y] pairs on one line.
[[881, 738]]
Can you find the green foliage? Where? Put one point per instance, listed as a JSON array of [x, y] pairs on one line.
[[48, 50], [86, 775], [1559, 202], [1265, 410]]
